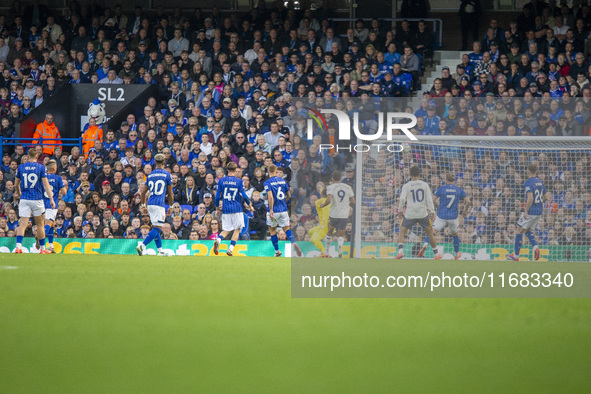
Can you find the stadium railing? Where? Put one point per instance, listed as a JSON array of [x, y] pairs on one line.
[[437, 25], [28, 142]]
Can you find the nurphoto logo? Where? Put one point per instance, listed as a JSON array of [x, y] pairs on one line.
[[373, 130]]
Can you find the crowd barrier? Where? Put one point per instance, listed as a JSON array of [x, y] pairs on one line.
[[265, 249]]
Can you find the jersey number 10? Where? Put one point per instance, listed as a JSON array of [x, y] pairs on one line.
[[417, 195]]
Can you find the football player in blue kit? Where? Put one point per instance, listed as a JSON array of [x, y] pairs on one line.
[[57, 186], [30, 183], [159, 185], [277, 213], [449, 197], [536, 196], [228, 199]]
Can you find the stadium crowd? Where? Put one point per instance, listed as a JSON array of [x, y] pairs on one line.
[[229, 88]]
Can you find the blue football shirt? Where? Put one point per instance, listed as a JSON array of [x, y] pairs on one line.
[[56, 182], [449, 199], [279, 188], [31, 176], [536, 187], [230, 189], [157, 183]]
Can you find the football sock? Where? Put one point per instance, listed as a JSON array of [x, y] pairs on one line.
[[518, 239], [275, 241], [158, 239], [19, 241], [341, 241], [151, 235], [532, 239], [290, 236], [232, 244], [42, 243], [317, 241], [426, 241], [456, 243], [49, 235], [327, 242]]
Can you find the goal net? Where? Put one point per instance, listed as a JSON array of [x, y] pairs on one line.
[[492, 172]]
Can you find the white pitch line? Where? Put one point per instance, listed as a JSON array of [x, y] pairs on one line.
[[7, 267]]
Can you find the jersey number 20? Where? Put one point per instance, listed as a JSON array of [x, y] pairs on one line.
[[156, 188]]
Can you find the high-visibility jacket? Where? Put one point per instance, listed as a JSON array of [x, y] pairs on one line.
[[89, 136], [50, 135]]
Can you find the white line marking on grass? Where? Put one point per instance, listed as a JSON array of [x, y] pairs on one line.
[[7, 267]]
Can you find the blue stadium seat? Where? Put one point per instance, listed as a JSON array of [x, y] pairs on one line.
[[408, 79], [189, 207]]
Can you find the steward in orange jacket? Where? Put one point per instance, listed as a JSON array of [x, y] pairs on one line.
[[90, 135], [49, 133]]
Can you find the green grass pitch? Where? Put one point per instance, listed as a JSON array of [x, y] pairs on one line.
[[125, 324]]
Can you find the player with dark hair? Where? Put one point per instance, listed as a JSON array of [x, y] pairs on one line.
[[536, 196], [31, 181], [340, 197], [416, 201], [228, 201], [449, 197], [278, 216], [159, 185]]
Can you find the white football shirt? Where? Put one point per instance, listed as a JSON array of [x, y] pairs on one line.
[[341, 197], [417, 198]]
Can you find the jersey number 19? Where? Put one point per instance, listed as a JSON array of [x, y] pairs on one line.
[[30, 180]]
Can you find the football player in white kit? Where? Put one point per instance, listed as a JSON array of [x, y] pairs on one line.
[[417, 198], [340, 197]]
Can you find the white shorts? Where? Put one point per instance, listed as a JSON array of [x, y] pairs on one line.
[[28, 207], [529, 223], [232, 221], [280, 219], [50, 213], [440, 224], [157, 215]]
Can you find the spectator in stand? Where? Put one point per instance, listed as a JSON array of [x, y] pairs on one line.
[[47, 134]]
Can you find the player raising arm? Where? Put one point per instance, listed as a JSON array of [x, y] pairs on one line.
[[277, 216], [449, 197], [57, 186], [159, 185], [228, 200], [31, 181], [340, 197], [536, 196], [417, 199]]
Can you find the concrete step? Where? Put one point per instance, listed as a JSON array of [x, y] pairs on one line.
[[452, 67], [442, 58], [450, 55]]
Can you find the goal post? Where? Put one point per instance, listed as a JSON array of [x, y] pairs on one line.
[[492, 171]]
